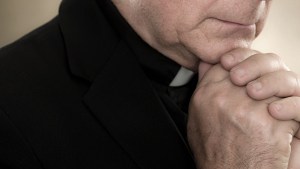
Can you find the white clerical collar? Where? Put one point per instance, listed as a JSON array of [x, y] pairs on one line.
[[183, 77]]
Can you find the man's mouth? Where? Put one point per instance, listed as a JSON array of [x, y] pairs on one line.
[[236, 24]]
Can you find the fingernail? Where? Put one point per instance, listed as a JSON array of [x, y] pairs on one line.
[[239, 72], [277, 107], [256, 86], [229, 59]]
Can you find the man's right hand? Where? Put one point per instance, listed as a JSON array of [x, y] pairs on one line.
[[229, 130]]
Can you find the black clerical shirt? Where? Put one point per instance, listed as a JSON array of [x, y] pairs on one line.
[[159, 69]]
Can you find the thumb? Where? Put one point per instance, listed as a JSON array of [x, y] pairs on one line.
[[202, 69]]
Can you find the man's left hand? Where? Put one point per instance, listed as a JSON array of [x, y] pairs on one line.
[[265, 76]]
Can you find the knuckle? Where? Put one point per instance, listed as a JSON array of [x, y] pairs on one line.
[[274, 56], [239, 118], [220, 100], [220, 96], [292, 81], [211, 95], [278, 62], [252, 88]]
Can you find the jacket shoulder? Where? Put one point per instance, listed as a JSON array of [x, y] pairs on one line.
[[33, 42], [42, 47], [32, 61]]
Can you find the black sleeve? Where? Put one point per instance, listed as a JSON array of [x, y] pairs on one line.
[[15, 152]]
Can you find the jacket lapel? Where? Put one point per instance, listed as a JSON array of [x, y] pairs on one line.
[[120, 96], [124, 102]]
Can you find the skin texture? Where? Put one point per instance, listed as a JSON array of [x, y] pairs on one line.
[[244, 111], [251, 139], [189, 31], [273, 77]]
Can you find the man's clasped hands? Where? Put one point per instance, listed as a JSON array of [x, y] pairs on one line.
[[245, 113]]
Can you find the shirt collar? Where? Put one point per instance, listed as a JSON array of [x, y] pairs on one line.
[[182, 77]]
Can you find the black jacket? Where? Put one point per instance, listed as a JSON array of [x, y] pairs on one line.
[[72, 95]]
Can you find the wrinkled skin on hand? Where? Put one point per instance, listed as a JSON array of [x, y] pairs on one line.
[[227, 129], [274, 79]]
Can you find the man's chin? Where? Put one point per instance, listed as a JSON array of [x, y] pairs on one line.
[[212, 55]]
